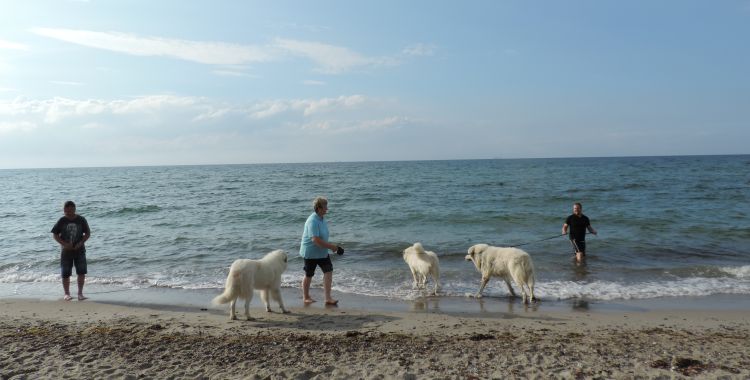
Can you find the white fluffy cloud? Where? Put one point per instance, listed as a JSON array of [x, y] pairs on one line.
[[12, 45], [330, 59], [212, 53], [307, 107], [168, 112], [171, 129], [420, 50]]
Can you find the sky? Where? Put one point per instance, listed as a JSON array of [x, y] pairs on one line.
[[160, 82]]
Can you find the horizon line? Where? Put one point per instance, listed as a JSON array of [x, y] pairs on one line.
[[366, 161]]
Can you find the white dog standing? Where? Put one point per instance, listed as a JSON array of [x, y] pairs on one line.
[[423, 263], [505, 263], [246, 276]]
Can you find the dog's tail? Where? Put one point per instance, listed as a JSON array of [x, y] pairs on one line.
[[528, 267], [526, 271], [231, 289], [419, 249]]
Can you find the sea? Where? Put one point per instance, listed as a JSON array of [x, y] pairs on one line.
[[668, 227]]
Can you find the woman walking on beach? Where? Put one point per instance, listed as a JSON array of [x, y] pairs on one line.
[[314, 250]]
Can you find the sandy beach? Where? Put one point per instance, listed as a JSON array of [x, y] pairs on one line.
[[95, 339]]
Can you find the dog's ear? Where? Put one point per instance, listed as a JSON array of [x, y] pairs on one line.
[[471, 253]]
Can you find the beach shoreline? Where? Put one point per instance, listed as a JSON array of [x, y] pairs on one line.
[[373, 339]]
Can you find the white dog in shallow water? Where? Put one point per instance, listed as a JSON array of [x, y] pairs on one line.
[[505, 263], [423, 263], [246, 276]]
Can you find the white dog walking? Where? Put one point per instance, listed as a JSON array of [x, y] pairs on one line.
[[423, 263], [506, 263], [246, 276]]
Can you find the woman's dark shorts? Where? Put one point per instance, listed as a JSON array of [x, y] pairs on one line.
[[68, 260], [325, 265]]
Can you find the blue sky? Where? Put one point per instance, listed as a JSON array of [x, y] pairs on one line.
[[119, 83]]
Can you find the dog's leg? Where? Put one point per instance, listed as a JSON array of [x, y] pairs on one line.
[[482, 284], [264, 297], [232, 315], [276, 294], [415, 284], [524, 295], [435, 274], [510, 288], [247, 305]]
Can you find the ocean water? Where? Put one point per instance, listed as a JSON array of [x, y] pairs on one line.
[[668, 226]]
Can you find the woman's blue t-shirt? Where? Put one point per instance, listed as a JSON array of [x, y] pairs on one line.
[[314, 226]]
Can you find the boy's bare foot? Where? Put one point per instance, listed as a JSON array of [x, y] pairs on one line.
[[81, 297], [332, 302], [67, 297], [308, 301]]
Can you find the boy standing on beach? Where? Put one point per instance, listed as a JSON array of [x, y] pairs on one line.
[[71, 232], [578, 224]]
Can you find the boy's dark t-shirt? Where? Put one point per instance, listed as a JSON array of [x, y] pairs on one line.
[[72, 231], [577, 226]]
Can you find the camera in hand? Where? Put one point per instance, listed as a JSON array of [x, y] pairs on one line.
[[339, 250]]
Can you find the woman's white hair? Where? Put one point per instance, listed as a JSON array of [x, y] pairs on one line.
[[319, 202]]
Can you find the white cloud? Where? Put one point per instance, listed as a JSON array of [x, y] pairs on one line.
[[330, 59], [356, 126], [231, 73], [311, 82], [153, 103], [420, 50], [172, 129], [66, 83], [307, 107], [212, 114], [327, 104], [57, 109], [212, 53], [269, 108], [12, 45], [22, 126], [185, 108]]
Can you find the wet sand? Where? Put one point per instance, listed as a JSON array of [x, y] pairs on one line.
[[104, 337]]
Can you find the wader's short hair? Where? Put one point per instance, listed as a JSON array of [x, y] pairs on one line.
[[69, 204], [319, 202], [579, 205]]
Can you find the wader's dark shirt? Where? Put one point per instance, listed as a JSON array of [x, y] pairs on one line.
[[577, 225]]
